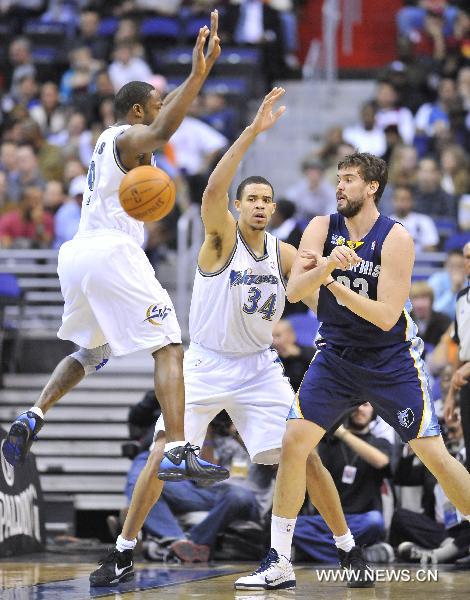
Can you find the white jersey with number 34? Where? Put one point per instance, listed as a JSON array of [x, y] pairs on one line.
[[234, 310]]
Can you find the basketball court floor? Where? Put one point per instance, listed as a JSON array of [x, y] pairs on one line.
[[41, 577]]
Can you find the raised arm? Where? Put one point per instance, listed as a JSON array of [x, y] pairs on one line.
[[141, 139], [214, 210], [393, 285]]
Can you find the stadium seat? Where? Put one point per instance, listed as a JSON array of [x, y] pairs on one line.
[[305, 326], [172, 61], [45, 34], [238, 61], [160, 28], [446, 226], [108, 26], [192, 26]]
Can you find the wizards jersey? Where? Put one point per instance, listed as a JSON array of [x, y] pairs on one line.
[[234, 310], [340, 326]]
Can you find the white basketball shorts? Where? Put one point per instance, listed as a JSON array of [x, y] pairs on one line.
[[111, 295], [252, 389]]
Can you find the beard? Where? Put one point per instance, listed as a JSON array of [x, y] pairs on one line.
[[351, 209]]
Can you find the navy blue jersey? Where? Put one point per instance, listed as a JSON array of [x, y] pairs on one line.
[[340, 326]]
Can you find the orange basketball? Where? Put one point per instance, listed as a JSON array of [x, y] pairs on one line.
[[147, 193]]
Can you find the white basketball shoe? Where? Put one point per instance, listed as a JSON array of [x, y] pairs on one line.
[[274, 573]]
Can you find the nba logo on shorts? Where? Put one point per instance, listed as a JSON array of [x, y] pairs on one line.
[[406, 417]]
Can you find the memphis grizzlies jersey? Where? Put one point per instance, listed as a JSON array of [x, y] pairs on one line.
[[234, 310], [101, 208], [340, 326]]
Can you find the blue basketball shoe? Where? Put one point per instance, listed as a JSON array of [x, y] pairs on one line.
[[183, 462], [22, 434]]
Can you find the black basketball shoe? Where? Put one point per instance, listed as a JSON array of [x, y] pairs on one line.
[[116, 567], [183, 462], [362, 576], [22, 434]]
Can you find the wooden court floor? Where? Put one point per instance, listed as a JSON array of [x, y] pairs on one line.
[[34, 578]]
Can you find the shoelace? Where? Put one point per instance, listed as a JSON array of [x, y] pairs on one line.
[[192, 448], [266, 563]]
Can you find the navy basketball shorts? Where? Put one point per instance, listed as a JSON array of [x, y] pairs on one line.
[[393, 379]]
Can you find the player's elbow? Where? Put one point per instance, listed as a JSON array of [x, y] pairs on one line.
[[388, 321]]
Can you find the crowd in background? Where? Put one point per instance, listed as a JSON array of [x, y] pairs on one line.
[[56, 99]]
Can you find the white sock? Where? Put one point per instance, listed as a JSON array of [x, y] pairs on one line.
[[122, 544], [345, 542], [282, 531], [37, 411], [171, 445], [466, 517]]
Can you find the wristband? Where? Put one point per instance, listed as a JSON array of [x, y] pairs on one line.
[[327, 284]]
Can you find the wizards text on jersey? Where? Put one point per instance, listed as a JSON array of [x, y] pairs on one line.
[[247, 277]]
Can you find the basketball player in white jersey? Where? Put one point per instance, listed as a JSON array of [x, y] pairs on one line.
[[114, 305], [238, 296]]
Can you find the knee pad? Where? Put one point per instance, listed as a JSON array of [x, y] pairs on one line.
[[92, 359]]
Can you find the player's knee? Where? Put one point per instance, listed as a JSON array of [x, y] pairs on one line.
[[92, 359], [172, 353]]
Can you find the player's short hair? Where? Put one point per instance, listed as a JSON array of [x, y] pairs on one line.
[[134, 92], [252, 179], [371, 168]]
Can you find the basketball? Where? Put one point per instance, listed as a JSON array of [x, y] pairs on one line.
[[147, 193]]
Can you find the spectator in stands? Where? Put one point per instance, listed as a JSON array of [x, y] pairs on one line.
[[6, 203], [431, 117], [420, 226], [458, 44], [448, 282], [366, 136], [28, 226], [431, 324], [67, 218], [9, 166], [75, 140], [455, 170], [218, 115], [295, 358], [403, 166], [24, 96], [126, 66], [389, 112], [28, 173], [460, 383], [429, 197], [196, 146], [312, 195], [256, 23], [49, 114], [284, 224], [431, 530], [21, 62], [54, 196], [463, 86], [72, 168], [88, 35], [80, 73], [49, 157], [358, 462]]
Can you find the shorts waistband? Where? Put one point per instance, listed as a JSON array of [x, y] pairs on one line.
[[199, 348], [93, 233]]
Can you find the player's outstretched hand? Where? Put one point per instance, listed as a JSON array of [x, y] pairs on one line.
[[265, 118], [203, 64], [311, 259], [344, 258]]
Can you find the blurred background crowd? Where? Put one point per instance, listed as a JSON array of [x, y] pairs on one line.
[[62, 61]]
